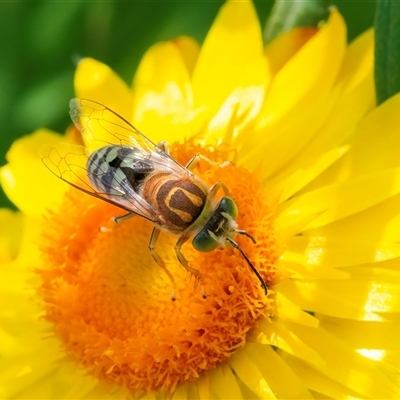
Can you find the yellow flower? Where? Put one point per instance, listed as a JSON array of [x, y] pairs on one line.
[[86, 313]]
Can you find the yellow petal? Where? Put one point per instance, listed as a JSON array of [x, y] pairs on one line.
[[25, 179], [318, 382], [377, 139], [285, 46], [224, 384], [11, 225], [358, 61], [381, 337], [346, 366], [378, 223], [311, 168], [342, 251], [296, 106], [280, 336], [96, 81], [289, 311], [189, 50], [236, 116], [275, 142], [163, 98], [350, 298], [277, 373], [310, 73], [356, 99], [233, 43], [342, 199], [247, 371], [203, 385]]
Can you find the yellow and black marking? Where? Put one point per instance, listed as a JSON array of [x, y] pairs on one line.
[[179, 201]]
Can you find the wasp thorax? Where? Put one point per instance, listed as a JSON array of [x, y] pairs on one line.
[[179, 201], [220, 225]]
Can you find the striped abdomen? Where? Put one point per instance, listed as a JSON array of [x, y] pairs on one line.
[[179, 201], [113, 169]]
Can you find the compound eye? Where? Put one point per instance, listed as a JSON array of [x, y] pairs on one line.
[[204, 242], [228, 206]]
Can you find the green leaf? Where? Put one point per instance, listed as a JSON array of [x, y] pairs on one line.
[[387, 49], [286, 15]]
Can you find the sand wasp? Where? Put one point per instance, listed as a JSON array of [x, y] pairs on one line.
[[125, 168]]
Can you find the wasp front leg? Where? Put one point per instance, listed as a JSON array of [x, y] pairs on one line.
[[185, 263], [152, 244], [164, 147], [199, 157]]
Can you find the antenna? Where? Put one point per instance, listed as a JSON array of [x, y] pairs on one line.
[[236, 246]]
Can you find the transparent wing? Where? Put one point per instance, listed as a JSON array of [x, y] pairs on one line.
[[68, 162], [101, 126]]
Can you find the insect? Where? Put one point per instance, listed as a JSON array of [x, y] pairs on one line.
[[122, 166]]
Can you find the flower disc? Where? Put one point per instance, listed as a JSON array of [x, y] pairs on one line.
[[111, 303]]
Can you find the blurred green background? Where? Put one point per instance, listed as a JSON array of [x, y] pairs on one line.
[[41, 41]]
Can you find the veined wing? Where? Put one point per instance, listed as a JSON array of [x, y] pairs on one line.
[[101, 126], [69, 163]]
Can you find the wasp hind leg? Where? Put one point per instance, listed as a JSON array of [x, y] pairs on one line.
[[118, 220], [152, 244], [199, 157], [185, 264], [123, 218]]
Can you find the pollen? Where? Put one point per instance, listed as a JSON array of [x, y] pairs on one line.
[[110, 303]]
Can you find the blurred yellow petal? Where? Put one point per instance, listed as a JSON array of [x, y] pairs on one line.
[[189, 50], [163, 100], [25, 180], [354, 102], [220, 69], [285, 46], [358, 61], [377, 139], [11, 225], [295, 108], [97, 81], [321, 56]]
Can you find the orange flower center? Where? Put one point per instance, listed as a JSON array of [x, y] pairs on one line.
[[111, 305]]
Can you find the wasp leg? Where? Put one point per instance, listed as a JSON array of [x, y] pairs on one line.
[[214, 189], [123, 218], [198, 157], [164, 147], [118, 220], [152, 244], [185, 263]]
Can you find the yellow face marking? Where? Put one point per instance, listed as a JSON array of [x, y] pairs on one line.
[[195, 200]]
